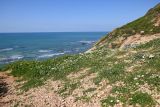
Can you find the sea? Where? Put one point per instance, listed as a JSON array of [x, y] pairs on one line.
[[44, 45]]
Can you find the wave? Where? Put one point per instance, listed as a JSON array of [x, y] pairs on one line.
[[15, 57], [11, 58], [44, 51], [6, 49], [67, 51], [50, 55], [2, 59], [87, 42]]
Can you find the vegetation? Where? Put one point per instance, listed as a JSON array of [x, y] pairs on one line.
[[110, 101], [134, 74], [145, 25], [106, 63], [151, 44], [142, 99]]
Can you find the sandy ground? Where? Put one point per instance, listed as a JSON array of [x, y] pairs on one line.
[[138, 39], [157, 21], [7, 87], [47, 96]]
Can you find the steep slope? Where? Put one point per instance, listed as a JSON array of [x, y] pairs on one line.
[[121, 70], [145, 26]]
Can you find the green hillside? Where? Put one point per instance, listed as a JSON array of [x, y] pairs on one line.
[[145, 24], [133, 73]]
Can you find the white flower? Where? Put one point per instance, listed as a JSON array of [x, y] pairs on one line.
[[137, 83], [151, 56], [143, 57], [142, 75], [135, 78], [117, 101], [111, 101], [138, 76], [53, 68]]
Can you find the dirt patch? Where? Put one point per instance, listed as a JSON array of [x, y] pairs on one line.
[[77, 75], [43, 96], [157, 23], [3, 87], [46, 95], [138, 39], [91, 50], [7, 84]]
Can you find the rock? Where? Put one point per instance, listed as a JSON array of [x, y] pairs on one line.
[[110, 46], [143, 56], [151, 56], [141, 32]]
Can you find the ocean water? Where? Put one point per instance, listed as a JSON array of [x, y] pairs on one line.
[[39, 46]]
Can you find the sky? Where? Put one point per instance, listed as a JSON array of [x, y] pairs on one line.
[[69, 15]]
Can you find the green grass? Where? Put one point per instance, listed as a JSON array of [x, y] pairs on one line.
[[68, 88], [89, 90], [147, 72], [102, 61], [120, 89], [154, 64], [145, 23], [113, 74], [142, 99], [83, 98], [127, 98], [152, 44], [105, 63], [109, 101], [36, 72]]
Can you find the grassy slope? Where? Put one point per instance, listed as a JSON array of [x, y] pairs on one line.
[[145, 23], [110, 64]]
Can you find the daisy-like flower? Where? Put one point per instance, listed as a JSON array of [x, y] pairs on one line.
[[135, 78], [117, 101], [137, 83], [111, 101]]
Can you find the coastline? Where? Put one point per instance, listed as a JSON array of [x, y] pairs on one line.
[[122, 69], [40, 46]]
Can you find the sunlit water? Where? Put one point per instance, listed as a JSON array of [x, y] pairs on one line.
[[37, 46]]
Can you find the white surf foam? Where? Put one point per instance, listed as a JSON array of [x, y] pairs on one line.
[[87, 42], [6, 49], [15, 57], [50, 55], [44, 51], [11, 58]]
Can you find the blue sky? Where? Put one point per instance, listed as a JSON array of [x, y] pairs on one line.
[[69, 15]]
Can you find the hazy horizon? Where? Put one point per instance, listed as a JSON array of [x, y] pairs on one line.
[[53, 31]]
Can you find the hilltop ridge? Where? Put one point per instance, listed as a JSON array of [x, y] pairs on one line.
[[146, 25]]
